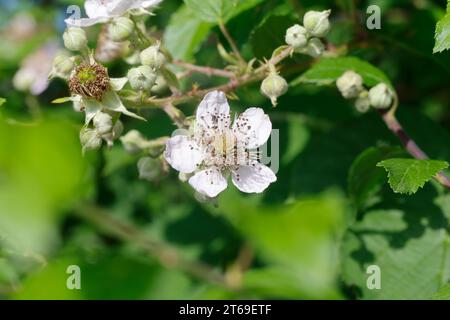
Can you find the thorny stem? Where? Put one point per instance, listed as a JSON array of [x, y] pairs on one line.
[[205, 70], [194, 94], [410, 145], [166, 255], [230, 40]]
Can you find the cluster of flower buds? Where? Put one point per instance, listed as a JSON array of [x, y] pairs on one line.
[[351, 86], [151, 163], [104, 129], [146, 77], [306, 39]]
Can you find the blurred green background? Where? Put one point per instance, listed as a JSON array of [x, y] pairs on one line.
[[304, 238]]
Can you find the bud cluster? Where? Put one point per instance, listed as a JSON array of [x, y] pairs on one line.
[[104, 129], [350, 84], [306, 39]]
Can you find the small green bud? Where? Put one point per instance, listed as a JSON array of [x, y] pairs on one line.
[[75, 39], [142, 78], [362, 103], [62, 66], [90, 139], [317, 23], [149, 168], [153, 57], [134, 142], [120, 29], [274, 86], [314, 48], [296, 36], [380, 96], [103, 123], [160, 86], [350, 84]]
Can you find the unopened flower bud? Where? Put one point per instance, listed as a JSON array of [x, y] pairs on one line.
[[153, 57], [350, 84], [142, 78], [317, 23], [314, 48], [149, 168], [23, 79], [62, 66], [134, 142], [90, 139], [380, 96], [362, 104], [274, 86], [296, 36], [75, 39], [120, 29], [114, 134], [103, 123], [160, 86]]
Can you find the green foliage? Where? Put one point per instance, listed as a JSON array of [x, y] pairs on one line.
[[2, 101], [408, 175], [327, 71], [185, 33], [443, 293], [442, 34], [365, 178]]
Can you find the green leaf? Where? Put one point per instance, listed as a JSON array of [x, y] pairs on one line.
[[327, 71], [442, 34], [212, 10], [407, 240], [443, 293], [2, 101], [365, 178], [61, 100], [299, 247], [269, 34], [185, 33], [408, 175]]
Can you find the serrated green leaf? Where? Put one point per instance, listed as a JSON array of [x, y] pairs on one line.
[[408, 175], [407, 240], [212, 10], [442, 34], [185, 33], [365, 178], [327, 71]]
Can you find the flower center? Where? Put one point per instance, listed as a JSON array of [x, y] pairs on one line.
[[226, 151], [89, 81]]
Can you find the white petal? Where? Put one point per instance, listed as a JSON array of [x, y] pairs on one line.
[[96, 8], [112, 102], [254, 127], [213, 113], [183, 154], [254, 178], [85, 22], [91, 108], [209, 182], [118, 83], [119, 7], [150, 3]]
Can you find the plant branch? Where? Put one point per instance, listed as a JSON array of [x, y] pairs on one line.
[[205, 70], [410, 145], [166, 255], [257, 75], [230, 40]]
